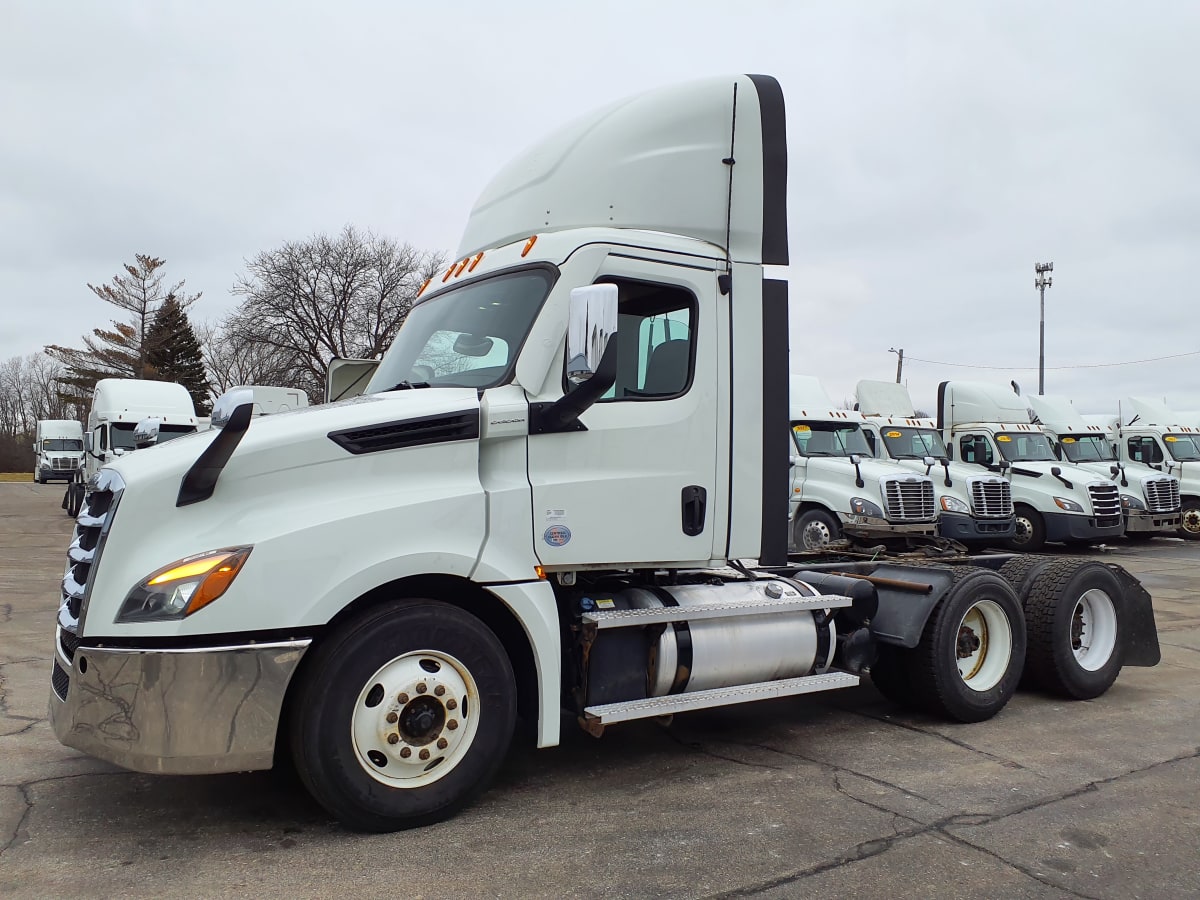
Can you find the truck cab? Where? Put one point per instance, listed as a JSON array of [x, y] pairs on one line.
[[1148, 433], [57, 450], [973, 507], [984, 425], [119, 405], [1150, 498], [837, 484]]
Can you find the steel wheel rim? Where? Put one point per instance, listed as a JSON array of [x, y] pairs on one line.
[[1191, 521], [415, 719], [1023, 532], [1093, 629], [814, 535], [983, 646]]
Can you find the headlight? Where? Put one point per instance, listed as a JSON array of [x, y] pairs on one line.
[[1131, 502], [864, 507], [185, 586], [1068, 505], [954, 505]]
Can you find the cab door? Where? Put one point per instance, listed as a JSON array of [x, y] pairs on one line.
[[637, 485]]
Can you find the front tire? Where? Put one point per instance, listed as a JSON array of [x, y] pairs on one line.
[[403, 715], [1189, 523], [1075, 635], [1031, 531], [814, 529]]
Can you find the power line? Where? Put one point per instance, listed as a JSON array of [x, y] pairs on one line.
[[1131, 362]]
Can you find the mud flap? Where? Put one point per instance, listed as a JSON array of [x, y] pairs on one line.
[[1141, 634]]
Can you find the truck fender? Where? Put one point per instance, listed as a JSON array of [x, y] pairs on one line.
[[903, 612], [1141, 635]]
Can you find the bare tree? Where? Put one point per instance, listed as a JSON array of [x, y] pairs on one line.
[[323, 297], [230, 359]]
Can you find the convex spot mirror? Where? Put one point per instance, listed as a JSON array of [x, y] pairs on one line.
[[228, 402], [472, 345], [146, 433], [591, 324]]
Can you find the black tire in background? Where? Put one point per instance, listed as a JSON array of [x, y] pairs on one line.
[[1073, 616], [813, 529], [362, 701], [1031, 531]]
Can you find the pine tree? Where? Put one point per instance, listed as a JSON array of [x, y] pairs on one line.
[[173, 353]]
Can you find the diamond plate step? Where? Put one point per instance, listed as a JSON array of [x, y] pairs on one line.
[[610, 713], [624, 618]]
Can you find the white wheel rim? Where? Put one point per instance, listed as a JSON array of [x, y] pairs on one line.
[[984, 645], [815, 534], [1093, 629], [1023, 533], [1191, 521], [415, 719]]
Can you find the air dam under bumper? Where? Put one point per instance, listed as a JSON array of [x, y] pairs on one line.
[[1070, 527], [961, 527], [180, 712], [1141, 520], [872, 527]]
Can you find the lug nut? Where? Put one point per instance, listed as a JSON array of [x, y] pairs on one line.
[[443, 743], [451, 703], [402, 698], [406, 752], [424, 754], [452, 724], [440, 689], [393, 738], [391, 718], [421, 688]]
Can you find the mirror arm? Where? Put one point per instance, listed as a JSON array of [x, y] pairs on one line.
[[563, 414]]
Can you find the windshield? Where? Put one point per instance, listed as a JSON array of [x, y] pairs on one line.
[[913, 443], [122, 434], [1085, 448], [1025, 446], [467, 337], [830, 438], [1184, 447], [61, 444]]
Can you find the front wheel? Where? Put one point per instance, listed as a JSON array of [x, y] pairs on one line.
[[403, 715], [1189, 524], [814, 529], [1031, 531]]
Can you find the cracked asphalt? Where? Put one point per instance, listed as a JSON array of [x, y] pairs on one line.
[[841, 795]]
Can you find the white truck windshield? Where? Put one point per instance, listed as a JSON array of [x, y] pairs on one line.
[[1025, 446], [913, 443], [1184, 447], [466, 337], [830, 438], [62, 444], [1085, 448]]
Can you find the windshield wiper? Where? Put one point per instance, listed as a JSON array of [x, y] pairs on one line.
[[408, 385]]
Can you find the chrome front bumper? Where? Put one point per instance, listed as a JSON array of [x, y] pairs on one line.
[[187, 711], [1142, 520]]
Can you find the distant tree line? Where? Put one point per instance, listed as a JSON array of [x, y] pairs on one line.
[[301, 304]]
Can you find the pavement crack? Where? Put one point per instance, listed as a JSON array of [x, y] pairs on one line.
[[20, 829], [908, 726], [1024, 870], [698, 747]]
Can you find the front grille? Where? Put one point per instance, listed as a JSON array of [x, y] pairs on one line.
[[60, 681], [1162, 494], [909, 499], [1106, 503], [68, 642], [91, 525], [991, 498]]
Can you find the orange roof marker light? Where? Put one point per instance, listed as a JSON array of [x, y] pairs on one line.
[[449, 272], [424, 285], [528, 246], [475, 261], [458, 270]]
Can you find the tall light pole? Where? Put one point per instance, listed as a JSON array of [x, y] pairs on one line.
[[899, 361], [1041, 281]]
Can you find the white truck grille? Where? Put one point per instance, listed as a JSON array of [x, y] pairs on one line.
[[1106, 503], [991, 498], [1162, 494], [909, 499]]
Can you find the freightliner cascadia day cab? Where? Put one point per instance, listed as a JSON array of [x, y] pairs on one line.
[[1150, 433], [974, 507], [543, 501], [119, 405], [836, 484], [1149, 498], [57, 450], [984, 424]]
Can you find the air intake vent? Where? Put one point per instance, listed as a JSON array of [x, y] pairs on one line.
[[409, 433]]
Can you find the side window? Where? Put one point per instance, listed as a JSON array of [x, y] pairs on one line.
[[102, 437], [655, 341], [975, 448], [870, 435], [1145, 450]]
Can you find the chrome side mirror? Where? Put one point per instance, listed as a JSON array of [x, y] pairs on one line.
[[590, 326], [146, 434], [228, 402]]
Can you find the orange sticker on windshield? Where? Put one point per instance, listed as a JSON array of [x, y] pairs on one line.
[[1170, 440], [1068, 440], [1003, 438], [802, 428], [893, 434]]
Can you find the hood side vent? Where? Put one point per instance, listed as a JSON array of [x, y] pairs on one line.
[[409, 433]]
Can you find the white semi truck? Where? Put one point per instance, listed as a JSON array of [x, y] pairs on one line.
[[57, 450], [973, 507], [1149, 433], [836, 484], [1149, 498], [120, 404], [984, 425], [542, 502]]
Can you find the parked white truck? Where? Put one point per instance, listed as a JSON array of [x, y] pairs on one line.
[[57, 450], [973, 508], [1149, 498], [836, 484], [120, 404], [984, 425], [1149, 433], [541, 502]]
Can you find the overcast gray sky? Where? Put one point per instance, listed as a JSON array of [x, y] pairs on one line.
[[938, 150]]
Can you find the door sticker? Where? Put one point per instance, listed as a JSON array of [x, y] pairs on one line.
[[557, 535]]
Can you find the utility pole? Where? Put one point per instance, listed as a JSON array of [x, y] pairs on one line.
[[1041, 281], [899, 361]]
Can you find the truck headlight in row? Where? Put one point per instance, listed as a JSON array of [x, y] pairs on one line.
[[1068, 505], [1130, 502], [860, 506], [954, 505], [185, 586]]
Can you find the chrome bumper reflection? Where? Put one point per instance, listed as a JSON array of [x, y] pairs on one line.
[[211, 709]]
